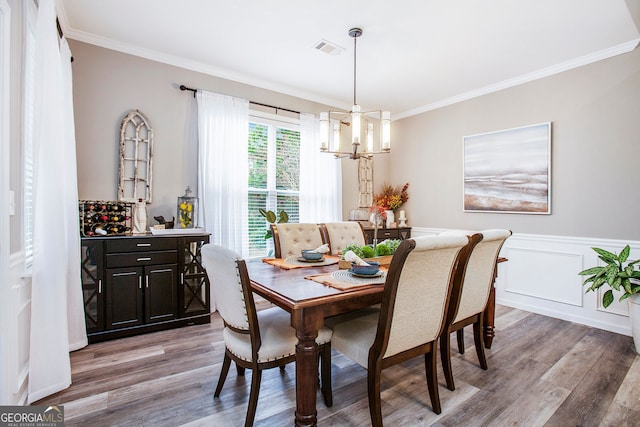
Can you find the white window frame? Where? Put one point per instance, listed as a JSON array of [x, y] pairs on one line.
[[272, 121]]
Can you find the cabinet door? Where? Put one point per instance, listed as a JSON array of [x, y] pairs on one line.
[[92, 275], [193, 287], [124, 297], [160, 293]]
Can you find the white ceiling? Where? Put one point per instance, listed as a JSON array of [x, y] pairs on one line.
[[414, 55]]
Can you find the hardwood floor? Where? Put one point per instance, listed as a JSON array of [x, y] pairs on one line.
[[542, 371]]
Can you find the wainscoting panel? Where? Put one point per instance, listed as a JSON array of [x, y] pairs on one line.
[[541, 276], [546, 270]]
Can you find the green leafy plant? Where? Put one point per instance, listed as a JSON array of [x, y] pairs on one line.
[[617, 274], [356, 249], [367, 252], [393, 245], [271, 218], [382, 249]]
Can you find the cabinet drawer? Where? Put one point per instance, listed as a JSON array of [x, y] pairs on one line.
[[387, 233], [141, 258], [141, 244]]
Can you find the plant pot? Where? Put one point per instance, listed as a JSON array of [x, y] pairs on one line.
[[634, 315]]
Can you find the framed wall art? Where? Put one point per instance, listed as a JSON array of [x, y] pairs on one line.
[[508, 171]]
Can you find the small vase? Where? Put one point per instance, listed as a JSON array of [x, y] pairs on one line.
[[140, 217], [390, 217], [634, 316]]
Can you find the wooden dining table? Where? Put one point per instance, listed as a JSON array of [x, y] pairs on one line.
[[309, 303]]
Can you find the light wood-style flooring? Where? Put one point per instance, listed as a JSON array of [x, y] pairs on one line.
[[542, 372]]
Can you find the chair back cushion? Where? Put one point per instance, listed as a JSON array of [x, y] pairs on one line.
[[341, 234], [226, 284], [479, 275], [417, 314], [294, 237]]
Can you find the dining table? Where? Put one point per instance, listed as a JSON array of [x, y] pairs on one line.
[[310, 302]]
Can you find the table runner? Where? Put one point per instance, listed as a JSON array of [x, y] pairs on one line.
[[292, 262], [343, 280]]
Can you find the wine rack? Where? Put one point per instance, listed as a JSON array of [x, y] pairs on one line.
[[105, 218]]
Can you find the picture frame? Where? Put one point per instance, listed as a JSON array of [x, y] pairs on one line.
[[508, 171]]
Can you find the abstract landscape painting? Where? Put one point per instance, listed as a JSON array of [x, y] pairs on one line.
[[509, 170]]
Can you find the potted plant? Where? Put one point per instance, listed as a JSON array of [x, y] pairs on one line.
[[618, 273]]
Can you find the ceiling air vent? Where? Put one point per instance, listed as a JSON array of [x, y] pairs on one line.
[[328, 47]]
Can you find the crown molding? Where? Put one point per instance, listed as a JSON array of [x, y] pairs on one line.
[[526, 78]]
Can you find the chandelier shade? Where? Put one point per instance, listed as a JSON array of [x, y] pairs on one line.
[[355, 133]]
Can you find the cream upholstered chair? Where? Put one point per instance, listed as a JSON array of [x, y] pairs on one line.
[[411, 316], [291, 238], [341, 234], [253, 339], [469, 303]]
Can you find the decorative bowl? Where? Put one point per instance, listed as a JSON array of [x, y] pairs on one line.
[[366, 270], [310, 255]]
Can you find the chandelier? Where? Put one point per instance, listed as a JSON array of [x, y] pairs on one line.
[[364, 126]]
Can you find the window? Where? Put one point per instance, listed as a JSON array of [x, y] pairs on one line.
[[27, 129], [274, 176]]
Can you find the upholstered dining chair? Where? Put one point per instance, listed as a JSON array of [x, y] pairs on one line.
[[411, 316], [291, 238], [468, 305], [255, 340], [341, 234]]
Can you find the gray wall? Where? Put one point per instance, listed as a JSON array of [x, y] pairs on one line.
[[595, 173], [594, 110], [108, 84]]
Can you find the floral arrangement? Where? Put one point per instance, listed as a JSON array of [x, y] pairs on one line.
[[391, 198], [379, 212]]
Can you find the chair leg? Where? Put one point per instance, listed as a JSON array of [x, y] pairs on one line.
[[325, 369], [430, 364], [226, 363], [477, 337], [240, 370], [460, 339], [256, 376], [375, 407], [445, 356]]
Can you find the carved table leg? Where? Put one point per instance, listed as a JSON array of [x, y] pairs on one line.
[[306, 369]]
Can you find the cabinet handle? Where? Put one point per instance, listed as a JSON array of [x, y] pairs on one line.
[[143, 245], [181, 277], [140, 282], [144, 259], [99, 286], [146, 279]]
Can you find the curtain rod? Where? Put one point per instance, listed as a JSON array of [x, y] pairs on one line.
[[183, 88], [60, 33]]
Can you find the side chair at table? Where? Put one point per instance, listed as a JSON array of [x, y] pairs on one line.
[[255, 340], [411, 316], [341, 234], [291, 238], [468, 304]]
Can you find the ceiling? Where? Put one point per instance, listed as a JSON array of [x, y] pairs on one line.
[[414, 55]]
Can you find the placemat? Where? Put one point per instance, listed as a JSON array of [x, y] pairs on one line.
[[292, 262], [343, 280]]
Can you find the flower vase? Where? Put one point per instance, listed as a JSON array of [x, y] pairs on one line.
[[390, 217]]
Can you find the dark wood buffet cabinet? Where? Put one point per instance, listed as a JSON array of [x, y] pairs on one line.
[[401, 233], [137, 284]]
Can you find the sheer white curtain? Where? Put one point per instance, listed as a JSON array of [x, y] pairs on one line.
[[223, 132], [320, 176], [57, 319]]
